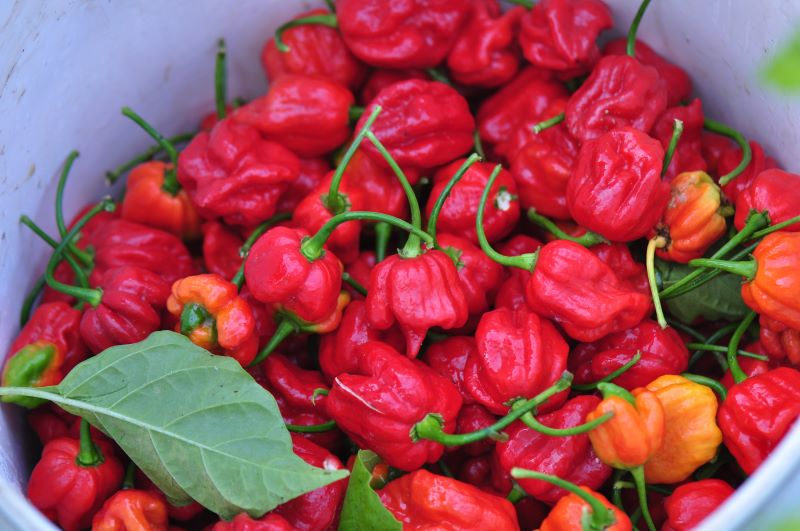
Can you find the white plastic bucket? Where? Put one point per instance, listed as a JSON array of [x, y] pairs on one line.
[[68, 66]]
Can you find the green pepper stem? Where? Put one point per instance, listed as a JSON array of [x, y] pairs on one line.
[[743, 269], [89, 454], [686, 329], [630, 49], [776, 227], [602, 516], [733, 362], [30, 299], [523, 261], [313, 428], [80, 274], [353, 283], [609, 389], [516, 493], [221, 80], [720, 348], [711, 383], [438, 75], [244, 250], [331, 5], [113, 175], [84, 257], [530, 421], [524, 3], [285, 328], [747, 154], [550, 122], [437, 207], [677, 131], [383, 232], [354, 113], [324, 20], [171, 185], [641, 491], [130, 477], [650, 256], [609, 378], [476, 140], [587, 239], [712, 340]]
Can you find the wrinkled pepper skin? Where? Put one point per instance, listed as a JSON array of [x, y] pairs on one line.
[[309, 115], [378, 183], [775, 290], [691, 435], [618, 257], [633, 434], [132, 510], [380, 78], [50, 422], [423, 501], [694, 218], [147, 202], [620, 92], [512, 291], [518, 355], [561, 35], [68, 493], [412, 34], [688, 154], [599, 303], [424, 124], [773, 190], [758, 413], [780, 341], [731, 158], [693, 502], [460, 209], [221, 249], [130, 309], [219, 320], [484, 53], [474, 417], [568, 514], [243, 522], [448, 357], [277, 273], [480, 275], [379, 403], [570, 458], [234, 174], [416, 293], [616, 188], [314, 50], [662, 352], [312, 172]]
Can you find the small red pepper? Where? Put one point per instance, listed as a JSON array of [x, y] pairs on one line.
[[571, 510], [359, 271], [618, 257], [312, 172], [243, 522], [378, 183], [132, 510], [448, 357], [50, 422], [780, 341], [379, 402], [773, 190], [616, 188], [380, 78], [731, 158], [474, 417], [413, 34], [221, 249], [512, 291], [693, 502], [688, 154], [714, 145]]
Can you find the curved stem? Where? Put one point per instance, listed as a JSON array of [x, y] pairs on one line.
[[438, 75], [516, 493], [641, 491], [743, 269], [221, 80], [776, 227], [314, 428], [652, 245], [711, 383], [129, 482], [712, 340], [437, 207], [616, 492], [89, 454], [30, 299], [170, 185], [144, 156], [611, 377], [677, 131], [325, 20], [80, 274], [630, 49], [476, 140], [353, 283], [383, 232], [686, 329], [530, 421], [720, 348], [733, 362], [550, 122], [84, 257], [524, 261], [244, 250], [587, 239], [747, 154], [608, 389], [284, 330]]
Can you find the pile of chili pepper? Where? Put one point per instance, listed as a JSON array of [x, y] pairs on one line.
[[465, 239]]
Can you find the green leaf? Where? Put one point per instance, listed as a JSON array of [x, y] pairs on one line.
[[783, 70], [362, 509], [718, 299], [197, 424]]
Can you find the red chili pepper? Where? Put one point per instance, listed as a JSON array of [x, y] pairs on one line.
[[312, 172], [616, 188], [381, 78], [264, 316], [692, 502], [423, 501], [424, 124], [518, 355], [780, 341], [621, 92], [314, 50], [570, 458], [570, 512], [477, 471], [714, 145], [309, 115], [234, 174], [757, 413], [618, 257], [688, 154], [416, 293], [414, 34], [50, 422], [243, 522], [448, 357], [750, 366], [221, 249], [379, 402], [484, 53], [561, 35], [512, 292], [731, 158], [474, 417], [132, 510], [661, 352], [378, 183], [773, 190], [599, 303], [359, 271], [176, 512]]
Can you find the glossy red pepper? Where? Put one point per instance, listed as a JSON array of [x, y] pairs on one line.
[[620, 92], [312, 172], [234, 174], [518, 355], [618, 257], [132, 510], [599, 303], [50, 422], [570, 458], [380, 78], [693, 502], [263, 314], [424, 124], [512, 291], [661, 352], [714, 145], [379, 402], [448, 357], [561, 35], [731, 158], [314, 50], [413, 34], [416, 293], [309, 115], [221, 249], [688, 154], [616, 188], [359, 271], [570, 513], [757, 413], [773, 190], [378, 183], [423, 501], [474, 417], [243, 522], [780, 341], [480, 276], [750, 366], [484, 53]]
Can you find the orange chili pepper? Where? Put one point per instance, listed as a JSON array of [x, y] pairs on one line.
[[132, 510], [569, 513]]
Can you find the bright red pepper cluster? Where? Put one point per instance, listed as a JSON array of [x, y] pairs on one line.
[[392, 292]]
